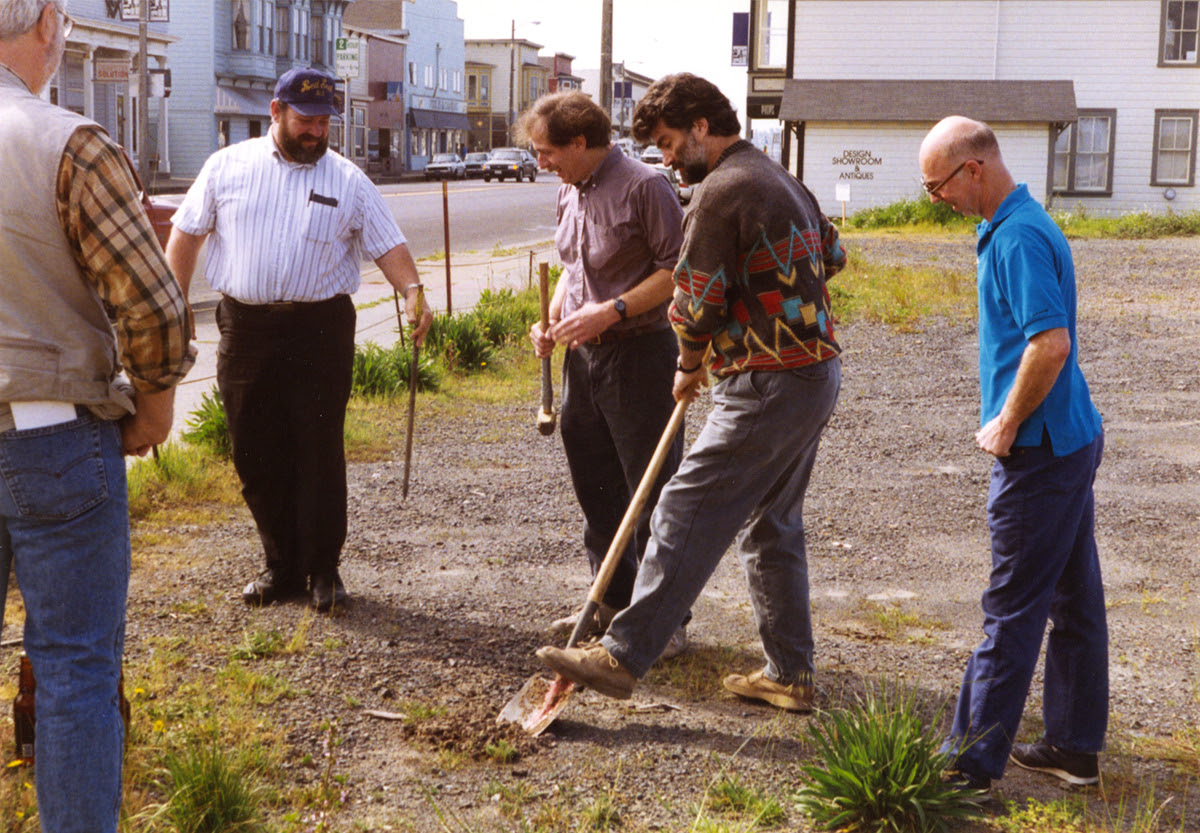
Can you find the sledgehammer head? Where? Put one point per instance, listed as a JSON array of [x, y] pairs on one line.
[[545, 422]]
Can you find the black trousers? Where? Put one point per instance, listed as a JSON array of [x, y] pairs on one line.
[[284, 373], [616, 402]]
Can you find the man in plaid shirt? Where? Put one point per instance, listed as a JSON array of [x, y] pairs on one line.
[[94, 335]]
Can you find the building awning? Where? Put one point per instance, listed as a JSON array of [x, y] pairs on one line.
[[234, 101], [928, 101], [437, 120]]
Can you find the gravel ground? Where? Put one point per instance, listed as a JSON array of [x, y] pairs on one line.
[[454, 587]]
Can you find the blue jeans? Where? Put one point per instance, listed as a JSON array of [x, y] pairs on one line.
[[1045, 567], [64, 504], [749, 468]]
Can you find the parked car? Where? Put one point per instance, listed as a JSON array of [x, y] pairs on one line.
[[476, 163], [446, 166], [684, 192], [514, 162], [652, 156]]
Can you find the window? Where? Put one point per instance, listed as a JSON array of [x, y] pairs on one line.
[[1180, 33], [317, 37], [242, 15], [266, 27], [1083, 157], [412, 73], [1174, 148], [429, 76], [283, 41], [771, 34], [477, 88]]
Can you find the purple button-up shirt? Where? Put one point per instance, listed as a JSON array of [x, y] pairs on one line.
[[615, 229]]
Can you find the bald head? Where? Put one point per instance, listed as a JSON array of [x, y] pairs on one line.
[[955, 138], [961, 165]]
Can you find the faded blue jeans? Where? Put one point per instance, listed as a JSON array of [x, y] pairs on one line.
[[749, 468], [1045, 567], [65, 508]]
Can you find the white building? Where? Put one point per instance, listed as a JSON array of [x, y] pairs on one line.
[[1095, 102]]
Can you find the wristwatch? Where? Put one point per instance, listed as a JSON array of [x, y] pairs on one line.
[[619, 306]]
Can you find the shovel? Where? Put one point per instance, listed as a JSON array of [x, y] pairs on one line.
[[540, 700], [545, 420]]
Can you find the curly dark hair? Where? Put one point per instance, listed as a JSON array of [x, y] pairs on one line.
[[678, 100], [564, 116]]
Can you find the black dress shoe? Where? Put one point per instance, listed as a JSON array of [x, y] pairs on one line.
[[270, 587], [328, 593]]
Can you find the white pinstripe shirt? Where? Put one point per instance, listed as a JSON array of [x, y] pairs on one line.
[[284, 231]]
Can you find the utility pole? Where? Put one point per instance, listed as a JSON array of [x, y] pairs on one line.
[[606, 79], [143, 118], [512, 71]]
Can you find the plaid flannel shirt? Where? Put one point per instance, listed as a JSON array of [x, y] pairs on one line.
[[117, 252]]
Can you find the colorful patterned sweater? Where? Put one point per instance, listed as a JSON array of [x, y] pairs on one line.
[[751, 275]]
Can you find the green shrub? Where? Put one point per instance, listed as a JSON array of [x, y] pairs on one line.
[[916, 212], [506, 316], [207, 426], [877, 768], [460, 342], [380, 371]]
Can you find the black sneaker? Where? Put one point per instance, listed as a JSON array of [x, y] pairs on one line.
[[1079, 768]]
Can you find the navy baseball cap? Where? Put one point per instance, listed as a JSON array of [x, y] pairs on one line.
[[308, 92]]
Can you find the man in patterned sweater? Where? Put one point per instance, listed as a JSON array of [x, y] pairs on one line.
[[751, 302]]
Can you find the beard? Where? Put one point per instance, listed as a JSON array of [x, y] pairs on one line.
[[691, 162], [294, 145]]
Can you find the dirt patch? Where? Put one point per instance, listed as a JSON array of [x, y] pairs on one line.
[[453, 589]]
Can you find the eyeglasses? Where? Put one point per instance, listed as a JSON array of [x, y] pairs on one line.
[[937, 186]]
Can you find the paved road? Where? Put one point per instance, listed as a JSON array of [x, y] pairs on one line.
[[483, 215]]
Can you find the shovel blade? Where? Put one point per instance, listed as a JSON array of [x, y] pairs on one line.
[[537, 704]]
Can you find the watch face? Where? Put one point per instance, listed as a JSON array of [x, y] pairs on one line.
[[619, 306]]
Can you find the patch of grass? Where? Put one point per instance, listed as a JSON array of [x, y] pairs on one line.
[[510, 799], [1064, 815], [601, 813], [417, 712], [1181, 749], [895, 623], [501, 752], [731, 798], [899, 296], [697, 674], [1142, 225], [182, 484], [877, 768], [386, 371], [208, 791], [258, 644]]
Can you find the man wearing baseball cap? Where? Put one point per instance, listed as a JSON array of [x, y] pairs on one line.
[[290, 222]]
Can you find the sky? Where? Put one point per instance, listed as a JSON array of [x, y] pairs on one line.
[[652, 37]]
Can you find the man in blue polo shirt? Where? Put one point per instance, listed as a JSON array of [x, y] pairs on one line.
[[1039, 422]]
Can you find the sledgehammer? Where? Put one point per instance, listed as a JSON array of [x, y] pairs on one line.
[[546, 418]]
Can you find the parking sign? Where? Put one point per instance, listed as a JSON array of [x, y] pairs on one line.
[[345, 57]]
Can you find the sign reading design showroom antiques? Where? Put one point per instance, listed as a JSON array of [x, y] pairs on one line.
[[858, 159]]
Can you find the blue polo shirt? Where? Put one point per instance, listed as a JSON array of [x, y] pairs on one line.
[[1026, 284]]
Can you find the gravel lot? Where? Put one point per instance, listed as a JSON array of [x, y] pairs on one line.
[[453, 588]]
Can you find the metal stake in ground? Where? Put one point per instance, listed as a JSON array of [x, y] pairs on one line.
[[412, 393], [545, 421], [539, 701]]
